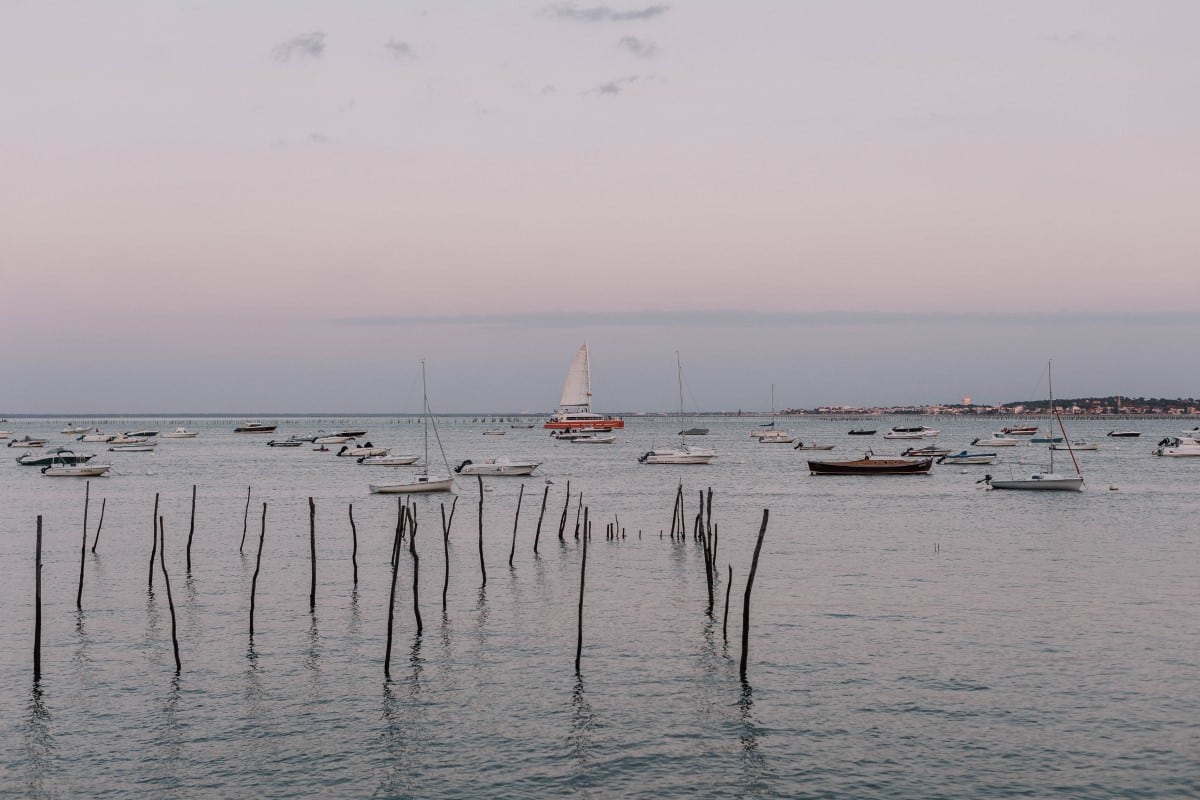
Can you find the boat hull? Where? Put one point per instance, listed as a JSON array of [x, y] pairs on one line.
[[498, 469], [77, 471], [1041, 484], [422, 483], [872, 466], [605, 423]]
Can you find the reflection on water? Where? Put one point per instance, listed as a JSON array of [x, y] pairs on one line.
[[39, 747]]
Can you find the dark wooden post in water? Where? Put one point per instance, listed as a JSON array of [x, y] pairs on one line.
[[37, 605], [257, 565], [87, 488], [399, 535], [387, 658], [354, 548], [749, 586], [482, 566], [162, 561], [191, 530], [516, 519], [725, 622], [245, 520], [538, 534], [99, 525], [446, 547], [412, 549], [582, 584], [153, 542], [578, 509], [562, 523], [312, 549]]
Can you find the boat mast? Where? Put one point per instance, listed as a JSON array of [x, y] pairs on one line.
[[425, 414], [1050, 385]]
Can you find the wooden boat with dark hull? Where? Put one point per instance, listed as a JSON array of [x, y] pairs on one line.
[[871, 465]]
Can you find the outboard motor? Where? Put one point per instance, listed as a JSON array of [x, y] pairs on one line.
[[344, 449], [975, 441], [642, 458], [1164, 442], [459, 468]]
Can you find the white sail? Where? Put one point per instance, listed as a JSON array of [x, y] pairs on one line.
[[577, 390]]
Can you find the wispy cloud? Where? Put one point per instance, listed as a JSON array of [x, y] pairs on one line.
[[574, 13], [401, 51], [726, 318], [639, 47], [613, 87], [307, 45]]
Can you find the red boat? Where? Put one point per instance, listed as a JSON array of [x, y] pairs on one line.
[[575, 407]]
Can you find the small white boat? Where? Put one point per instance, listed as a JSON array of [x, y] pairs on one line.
[[59, 455], [1124, 434], [136, 447], [418, 483], [929, 451], [5, 434], [144, 434], [997, 439], [917, 432], [965, 457], [1178, 446], [776, 437], [1044, 481], [1049, 437], [95, 436], [593, 438], [64, 470], [27, 441], [1080, 444], [255, 427], [685, 454], [181, 433], [388, 460], [1020, 430], [367, 449], [811, 446], [73, 429], [336, 438], [352, 433], [124, 438], [497, 466], [286, 442]]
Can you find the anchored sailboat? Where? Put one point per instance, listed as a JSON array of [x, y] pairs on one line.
[[1048, 480], [575, 406], [422, 481], [684, 453]]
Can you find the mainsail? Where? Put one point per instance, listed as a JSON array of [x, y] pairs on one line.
[[577, 390]]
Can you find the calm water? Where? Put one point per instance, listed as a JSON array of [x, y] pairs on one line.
[[912, 637]]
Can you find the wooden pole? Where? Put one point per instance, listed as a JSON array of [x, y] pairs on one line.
[[749, 587], [354, 548], [191, 530], [399, 535], [562, 522], [257, 565], [516, 519], [312, 550], [446, 547], [482, 566], [538, 535], [96, 539], [412, 549], [162, 561], [725, 622], [153, 542], [87, 488], [582, 585], [245, 520], [387, 658], [578, 509], [37, 605]]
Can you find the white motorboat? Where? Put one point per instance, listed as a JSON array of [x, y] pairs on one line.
[[367, 449], [965, 457], [388, 460], [497, 466], [95, 436], [5, 434], [255, 427], [181, 433], [811, 446], [59, 455], [65, 470], [336, 438], [1048, 480], [1020, 430], [143, 434], [422, 481], [286, 442], [928, 451], [352, 433], [997, 439], [1077, 445], [1178, 446], [73, 429], [124, 438], [1124, 434], [593, 438], [917, 432], [684, 454], [136, 447], [27, 441], [776, 437]]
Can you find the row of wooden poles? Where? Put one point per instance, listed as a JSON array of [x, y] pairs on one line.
[[704, 531]]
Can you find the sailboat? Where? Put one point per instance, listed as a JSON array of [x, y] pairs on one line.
[[575, 405], [684, 453], [1049, 480], [768, 434], [422, 481]]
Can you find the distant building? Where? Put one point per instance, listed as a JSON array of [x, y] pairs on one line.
[[966, 400]]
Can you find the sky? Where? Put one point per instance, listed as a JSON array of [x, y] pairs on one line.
[[285, 206]]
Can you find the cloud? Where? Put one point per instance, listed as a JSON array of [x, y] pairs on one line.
[[307, 45], [319, 138], [573, 13], [639, 47], [401, 51], [613, 87]]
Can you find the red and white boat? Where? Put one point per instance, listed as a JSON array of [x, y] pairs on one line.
[[575, 407]]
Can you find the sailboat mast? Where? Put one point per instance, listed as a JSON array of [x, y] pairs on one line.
[[425, 413], [1050, 386], [679, 377]]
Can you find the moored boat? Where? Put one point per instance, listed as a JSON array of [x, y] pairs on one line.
[[1047, 480], [1124, 434], [1178, 446], [811, 446], [776, 437], [1020, 430], [862, 432], [593, 438], [367, 449], [929, 451], [421, 482], [1077, 445], [497, 466], [135, 447], [60, 455], [997, 439], [27, 441], [388, 460], [872, 465], [912, 432], [180, 433], [62, 469], [966, 457], [255, 427], [684, 454], [575, 405]]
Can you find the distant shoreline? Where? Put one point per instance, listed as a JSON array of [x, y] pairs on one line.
[[527, 417]]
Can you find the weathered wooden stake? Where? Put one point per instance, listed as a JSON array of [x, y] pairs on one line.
[[245, 520], [354, 548], [87, 488], [562, 522], [387, 658], [538, 534], [162, 561], [725, 622], [582, 584], [99, 525], [312, 550], [412, 549], [482, 567], [257, 565], [399, 535], [37, 605], [578, 509], [750, 586], [516, 519], [191, 530], [153, 542], [446, 547]]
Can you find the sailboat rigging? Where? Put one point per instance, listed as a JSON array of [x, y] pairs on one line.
[[422, 481], [1049, 480], [684, 453]]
